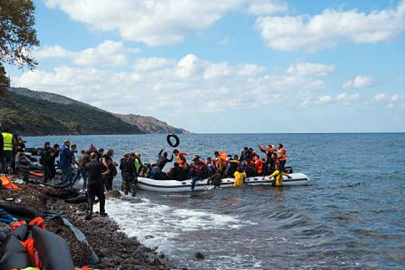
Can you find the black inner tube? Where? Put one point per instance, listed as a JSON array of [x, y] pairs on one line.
[[170, 142]]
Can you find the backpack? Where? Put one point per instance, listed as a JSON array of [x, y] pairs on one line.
[[113, 169]]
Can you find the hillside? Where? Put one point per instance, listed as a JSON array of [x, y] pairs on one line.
[[55, 98], [42, 113], [33, 116], [149, 124]]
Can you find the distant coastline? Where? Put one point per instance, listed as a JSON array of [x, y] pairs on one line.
[[35, 113]]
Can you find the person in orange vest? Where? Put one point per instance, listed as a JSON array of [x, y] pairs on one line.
[[258, 163], [181, 158], [282, 155], [220, 160]]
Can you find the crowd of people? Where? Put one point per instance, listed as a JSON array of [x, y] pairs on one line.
[[97, 168], [247, 164]]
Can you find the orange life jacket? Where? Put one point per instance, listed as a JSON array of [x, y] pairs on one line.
[[181, 159], [6, 182], [221, 159], [259, 166], [284, 157]]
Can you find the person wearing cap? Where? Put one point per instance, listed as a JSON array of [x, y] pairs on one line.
[[65, 162]]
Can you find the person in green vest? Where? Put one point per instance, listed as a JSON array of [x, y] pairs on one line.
[[8, 146]]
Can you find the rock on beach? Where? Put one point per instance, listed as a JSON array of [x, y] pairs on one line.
[[114, 248]]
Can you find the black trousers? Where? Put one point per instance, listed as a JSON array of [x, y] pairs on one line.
[[93, 191], [108, 182]]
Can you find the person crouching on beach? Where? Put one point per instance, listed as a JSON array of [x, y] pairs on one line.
[[95, 186]]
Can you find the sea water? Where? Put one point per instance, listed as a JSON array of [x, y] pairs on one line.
[[350, 216]]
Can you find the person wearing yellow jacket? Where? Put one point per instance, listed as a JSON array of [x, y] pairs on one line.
[[278, 175], [8, 146], [240, 177]]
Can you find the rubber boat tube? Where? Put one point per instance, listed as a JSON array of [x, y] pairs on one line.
[[149, 184], [15, 256], [53, 250], [81, 198], [19, 211]]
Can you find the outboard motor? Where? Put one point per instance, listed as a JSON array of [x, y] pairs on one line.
[[288, 169]]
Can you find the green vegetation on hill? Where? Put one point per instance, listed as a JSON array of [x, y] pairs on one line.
[[30, 116]]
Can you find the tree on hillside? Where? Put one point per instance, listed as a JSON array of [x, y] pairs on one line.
[[17, 37]]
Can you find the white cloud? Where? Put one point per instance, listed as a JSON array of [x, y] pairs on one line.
[[310, 100], [395, 97], [152, 63], [361, 81], [168, 87], [390, 106], [189, 66], [325, 99], [345, 97], [304, 69], [153, 22], [265, 7], [379, 97], [53, 52], [107, 53], [250, 69], [325, 30]]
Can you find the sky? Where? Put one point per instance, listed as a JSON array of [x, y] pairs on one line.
[[228, 66]]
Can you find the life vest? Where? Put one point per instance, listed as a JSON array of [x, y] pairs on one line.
[[221, 159], [284, 157], [138, 165], [259, 166], [6, 182], [8, 141], [181, 159]]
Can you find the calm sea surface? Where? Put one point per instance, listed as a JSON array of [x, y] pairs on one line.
[[351, 216]]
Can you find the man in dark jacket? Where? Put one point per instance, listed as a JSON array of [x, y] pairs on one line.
[[127, 167], [95, 186], [47, 161], [162, 159]]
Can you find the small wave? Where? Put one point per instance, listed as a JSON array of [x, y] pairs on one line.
[[155, 225]]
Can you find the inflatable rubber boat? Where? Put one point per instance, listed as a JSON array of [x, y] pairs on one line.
[[149, 184]]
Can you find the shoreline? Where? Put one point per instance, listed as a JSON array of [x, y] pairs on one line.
[[112, 246]]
